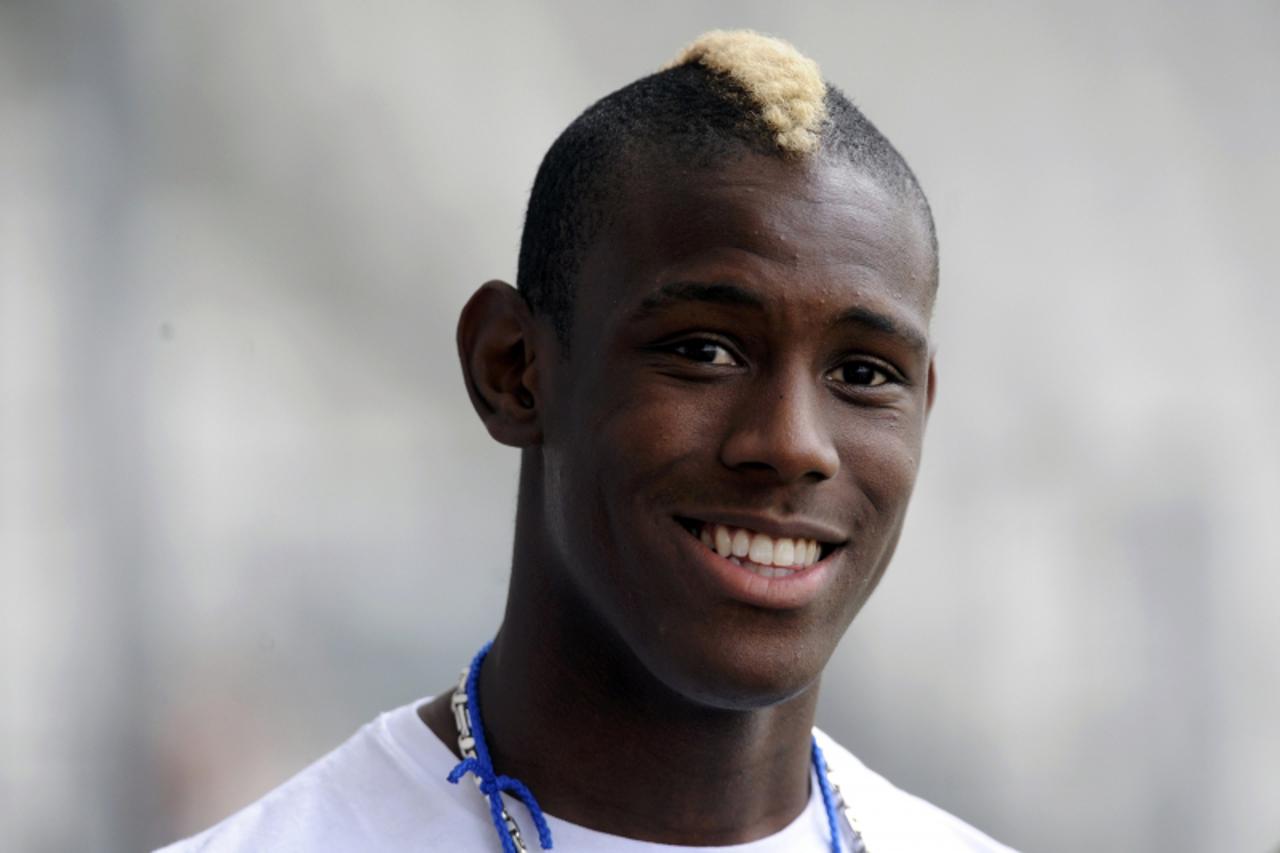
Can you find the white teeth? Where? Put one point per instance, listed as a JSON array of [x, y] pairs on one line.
[[724, 542], [762, 554]]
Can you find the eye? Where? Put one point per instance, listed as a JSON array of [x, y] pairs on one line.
[[704, 351], [861, 374]]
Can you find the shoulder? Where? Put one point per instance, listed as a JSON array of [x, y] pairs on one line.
[[383, 789], [890, 819]]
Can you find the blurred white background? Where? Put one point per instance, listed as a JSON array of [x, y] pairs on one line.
[[245, 506]]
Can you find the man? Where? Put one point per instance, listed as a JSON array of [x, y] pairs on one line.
[[718, 368]]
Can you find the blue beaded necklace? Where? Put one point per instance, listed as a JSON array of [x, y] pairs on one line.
[[476, 761]]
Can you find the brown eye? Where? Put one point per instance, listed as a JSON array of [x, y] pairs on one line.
[[704, 352], [862, 374]]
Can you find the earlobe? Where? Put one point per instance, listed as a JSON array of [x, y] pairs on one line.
[[499, 363]]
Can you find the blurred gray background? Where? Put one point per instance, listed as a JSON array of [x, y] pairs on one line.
[[245, 506]]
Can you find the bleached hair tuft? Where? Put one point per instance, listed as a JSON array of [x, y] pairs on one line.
[[784, 83]]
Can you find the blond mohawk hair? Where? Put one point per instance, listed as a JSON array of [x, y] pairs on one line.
[[728, 95], [785, 84]]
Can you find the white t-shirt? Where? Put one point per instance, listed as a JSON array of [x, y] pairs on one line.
[[385, 790]]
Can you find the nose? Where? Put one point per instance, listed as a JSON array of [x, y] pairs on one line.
[[780, 429]]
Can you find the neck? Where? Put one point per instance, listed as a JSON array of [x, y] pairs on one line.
[[604, 745]]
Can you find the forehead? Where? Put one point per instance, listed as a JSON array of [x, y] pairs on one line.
[[809, 231]]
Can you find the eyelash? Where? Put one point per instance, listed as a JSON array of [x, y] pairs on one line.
[[885, 376], [691, 343], [681, 348]]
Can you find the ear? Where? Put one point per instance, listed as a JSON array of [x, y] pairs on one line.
[[933, 384], [499, 363]]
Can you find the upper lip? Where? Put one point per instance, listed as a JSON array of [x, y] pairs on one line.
[[770, 525]]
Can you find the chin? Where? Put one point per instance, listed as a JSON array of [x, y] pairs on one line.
[[739, 676]]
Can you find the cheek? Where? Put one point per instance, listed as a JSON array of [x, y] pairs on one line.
[[884, 460], [611, 462], [650, 430], [883, 465]]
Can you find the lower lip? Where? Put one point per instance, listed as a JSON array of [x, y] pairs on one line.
[[789, 592]]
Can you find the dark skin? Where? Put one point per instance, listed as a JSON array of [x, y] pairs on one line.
[[750, 347]]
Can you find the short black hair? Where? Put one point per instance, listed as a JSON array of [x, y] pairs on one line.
[[688, 114]]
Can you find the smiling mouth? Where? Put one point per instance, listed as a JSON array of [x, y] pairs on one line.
[[760, 553]]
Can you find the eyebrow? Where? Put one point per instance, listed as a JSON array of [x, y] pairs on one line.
[[877, 322], [717, 293], [724, 293]]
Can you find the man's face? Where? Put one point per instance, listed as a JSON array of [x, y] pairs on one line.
[[749, 370]]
